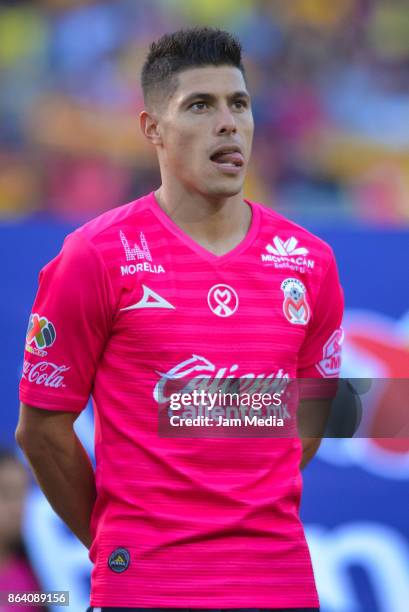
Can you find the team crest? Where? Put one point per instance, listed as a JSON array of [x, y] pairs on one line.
[[295, 306]]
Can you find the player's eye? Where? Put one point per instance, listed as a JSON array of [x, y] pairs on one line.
[[199, 105], [239, 104]]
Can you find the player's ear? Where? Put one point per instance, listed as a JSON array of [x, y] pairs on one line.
[[150, 127]]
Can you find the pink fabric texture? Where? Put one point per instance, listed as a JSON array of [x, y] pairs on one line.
[[18, 577], [131, 304]]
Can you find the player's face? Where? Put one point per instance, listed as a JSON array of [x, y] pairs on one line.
[[207, 131]]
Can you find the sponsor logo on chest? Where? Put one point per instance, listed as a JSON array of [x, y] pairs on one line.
[[286, 255], [198, 368], [141, 255], [223, 300]]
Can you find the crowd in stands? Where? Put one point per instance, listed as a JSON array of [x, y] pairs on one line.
[[329, 82], [16, 573]]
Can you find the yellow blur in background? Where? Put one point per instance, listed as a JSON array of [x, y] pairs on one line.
[[330, 87]]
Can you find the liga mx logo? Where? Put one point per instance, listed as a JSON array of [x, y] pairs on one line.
[[41, 333], [295, 306]]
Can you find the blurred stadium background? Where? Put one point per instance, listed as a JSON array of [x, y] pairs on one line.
[[330, 86]]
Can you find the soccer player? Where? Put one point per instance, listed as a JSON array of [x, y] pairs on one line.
[[189, 281]]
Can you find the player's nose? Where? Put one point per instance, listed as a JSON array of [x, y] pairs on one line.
[[226, 121]]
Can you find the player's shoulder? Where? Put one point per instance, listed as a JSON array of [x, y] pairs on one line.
[[99, 236], [112, 221], [288, 235]]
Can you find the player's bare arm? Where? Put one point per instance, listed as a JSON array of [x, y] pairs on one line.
[[60, 464], [312, 421], [310, 447]]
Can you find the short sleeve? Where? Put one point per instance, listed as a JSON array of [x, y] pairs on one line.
[[68, 328], [320, 353]]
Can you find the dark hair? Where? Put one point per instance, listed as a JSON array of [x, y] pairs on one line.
[[178, 51]]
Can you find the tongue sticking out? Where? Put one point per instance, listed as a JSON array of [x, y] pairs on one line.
[[235, 158]]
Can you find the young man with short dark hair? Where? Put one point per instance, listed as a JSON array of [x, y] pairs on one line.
[[189, 281]]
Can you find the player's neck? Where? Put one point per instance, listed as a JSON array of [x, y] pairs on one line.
[[217, 225]]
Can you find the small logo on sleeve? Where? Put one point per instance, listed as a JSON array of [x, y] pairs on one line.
[[41, 333], [295, 305], [45, 373], [330, 364], [119, 560]]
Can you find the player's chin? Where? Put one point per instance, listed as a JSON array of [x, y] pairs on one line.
[[225, 188]]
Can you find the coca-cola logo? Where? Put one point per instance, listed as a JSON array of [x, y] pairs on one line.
[[45, 373]]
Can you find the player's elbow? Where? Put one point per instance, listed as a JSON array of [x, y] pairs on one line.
[[39, 431], [30, 439], [20, 435]]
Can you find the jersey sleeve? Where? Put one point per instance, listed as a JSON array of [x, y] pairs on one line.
[[68, 328], [320, 354]]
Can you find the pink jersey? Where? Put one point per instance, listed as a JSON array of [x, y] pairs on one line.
[[131, 304]]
